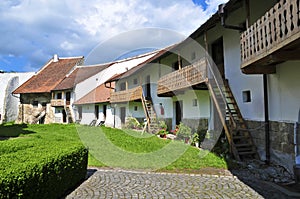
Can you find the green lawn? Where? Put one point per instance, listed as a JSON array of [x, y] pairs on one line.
[[116, 148]]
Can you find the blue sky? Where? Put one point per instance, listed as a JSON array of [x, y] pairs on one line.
[[32, 31]]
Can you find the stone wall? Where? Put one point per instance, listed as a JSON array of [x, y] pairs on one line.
[[29, 112], [196, 124], [281, 141]]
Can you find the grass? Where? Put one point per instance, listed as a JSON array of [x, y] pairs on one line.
[[117, 148]]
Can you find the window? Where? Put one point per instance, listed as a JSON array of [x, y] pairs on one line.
[[135, 81], [246, 96], [195, 102], [175, 65], [193, 55], [35, 103], [59, 96], [123, 86], [135, 108], [80, 112], [96, 111], [44, 104]]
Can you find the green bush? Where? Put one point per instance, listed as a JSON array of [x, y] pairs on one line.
[[184, 132], [41, 170]]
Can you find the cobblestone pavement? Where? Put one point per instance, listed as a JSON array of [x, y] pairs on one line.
[[137, 184]]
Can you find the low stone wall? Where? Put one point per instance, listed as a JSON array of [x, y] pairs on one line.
[[196, 124], [281, 141], [28, 113]]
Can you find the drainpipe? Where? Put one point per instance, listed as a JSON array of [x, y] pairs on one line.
[[297, 155], [296, 139], [267, 122]]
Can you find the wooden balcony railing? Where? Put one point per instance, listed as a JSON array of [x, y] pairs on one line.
[[184, 78], [277, 29], [57, 102], [127, 95]]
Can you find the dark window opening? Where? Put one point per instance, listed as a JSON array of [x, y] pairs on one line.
[[123, 86], [35, 103], [135, 81], [96, 111], [246, 96], [59, 96], [80, 112], [195, 102], [175, 65], [193, 55]]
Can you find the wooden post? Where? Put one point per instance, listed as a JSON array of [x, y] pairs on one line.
[[247, 13], [206, 53], [179, 61]]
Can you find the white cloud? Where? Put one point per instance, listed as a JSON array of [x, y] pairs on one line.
[[38, 29]]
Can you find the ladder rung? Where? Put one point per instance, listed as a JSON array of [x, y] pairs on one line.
[[247, 153], [249, 149], [243, 145]]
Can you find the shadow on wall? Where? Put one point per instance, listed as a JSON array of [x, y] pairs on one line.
[[8, 130]]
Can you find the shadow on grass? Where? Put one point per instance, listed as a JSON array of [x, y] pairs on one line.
[[13, 130]]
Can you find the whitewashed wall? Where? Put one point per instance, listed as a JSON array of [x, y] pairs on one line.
[[284, 92], [88, 113]]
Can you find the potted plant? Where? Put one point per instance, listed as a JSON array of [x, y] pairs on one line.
[[195, 140], [184, 132], [162, 133]]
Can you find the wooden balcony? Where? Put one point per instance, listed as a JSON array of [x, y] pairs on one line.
[[127, 95], [272, 39], [182, 79], [57, 102]]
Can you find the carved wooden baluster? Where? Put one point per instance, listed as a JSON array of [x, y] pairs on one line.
[[287, 14]]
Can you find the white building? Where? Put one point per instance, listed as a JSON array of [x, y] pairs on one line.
[[88, 108]]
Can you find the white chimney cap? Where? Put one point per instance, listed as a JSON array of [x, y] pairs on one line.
[[55, 58]]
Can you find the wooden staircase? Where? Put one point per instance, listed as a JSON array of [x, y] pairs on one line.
[[69, 113], [236, 130], [39, 116], [150, 115]]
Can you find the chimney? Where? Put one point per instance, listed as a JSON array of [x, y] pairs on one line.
[[55, 58]]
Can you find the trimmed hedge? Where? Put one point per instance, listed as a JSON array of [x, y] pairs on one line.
[[40, 169]]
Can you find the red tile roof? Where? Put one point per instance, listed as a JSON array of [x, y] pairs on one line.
[[49, 76], [98, 95], [78, 75]]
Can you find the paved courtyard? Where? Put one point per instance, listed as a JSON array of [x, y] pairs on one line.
[[138, 184]]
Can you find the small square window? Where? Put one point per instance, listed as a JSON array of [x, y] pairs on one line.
[[195, 102], [135, 108], [35, 103], [135, 81], [246, 96]]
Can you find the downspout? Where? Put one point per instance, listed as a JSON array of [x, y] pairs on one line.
[[296, 139], [297, 155], [267, 122]]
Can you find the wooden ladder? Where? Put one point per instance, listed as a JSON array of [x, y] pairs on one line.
[[150, 115], [242, 139], [236, 130]]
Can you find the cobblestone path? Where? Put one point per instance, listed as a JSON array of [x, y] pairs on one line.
[[135, 184]]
